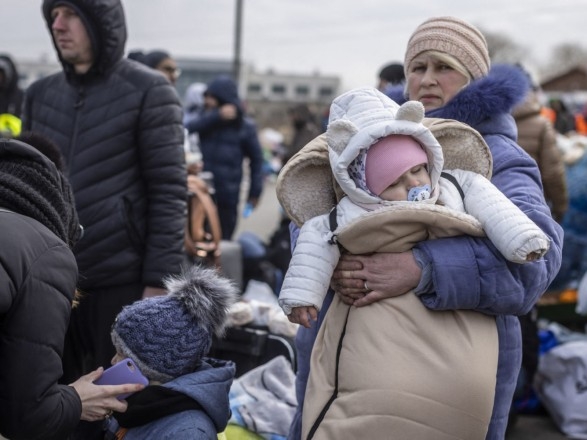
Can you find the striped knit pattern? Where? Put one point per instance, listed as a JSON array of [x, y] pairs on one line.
[[452, 36]]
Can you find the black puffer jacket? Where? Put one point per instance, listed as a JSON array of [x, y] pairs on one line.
[[37, 281], [119, 127], [38, 275]]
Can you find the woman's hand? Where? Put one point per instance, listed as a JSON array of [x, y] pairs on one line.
[[98, 401], [364, 279]]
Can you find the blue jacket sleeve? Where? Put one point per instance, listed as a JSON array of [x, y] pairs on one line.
[[252, 149], [207, 121], [470, 273]]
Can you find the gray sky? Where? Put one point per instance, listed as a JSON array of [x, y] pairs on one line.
[[349, 38]]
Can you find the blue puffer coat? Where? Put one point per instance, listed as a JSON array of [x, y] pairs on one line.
[[469, 273], [225, 144], [209, 387]]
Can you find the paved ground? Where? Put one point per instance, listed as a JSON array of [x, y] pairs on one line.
[[535, 428], [265, 219]]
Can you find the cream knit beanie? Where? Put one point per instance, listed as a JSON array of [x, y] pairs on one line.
[[454, 37]]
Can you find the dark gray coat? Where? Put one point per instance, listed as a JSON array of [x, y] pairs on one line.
[[38, 275], [119, 127], [37, 281]]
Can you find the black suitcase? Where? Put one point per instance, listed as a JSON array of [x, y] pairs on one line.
[[250, 346]]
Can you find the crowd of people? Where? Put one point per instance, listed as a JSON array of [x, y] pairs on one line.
[[71, 267], [94, 166]]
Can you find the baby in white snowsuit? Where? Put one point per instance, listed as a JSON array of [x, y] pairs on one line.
[[389, 162]]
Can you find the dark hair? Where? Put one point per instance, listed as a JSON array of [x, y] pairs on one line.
[[393, 73], [45, 146], [151, 59]]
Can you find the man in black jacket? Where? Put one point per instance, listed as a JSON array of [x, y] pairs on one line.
[[119, 126]]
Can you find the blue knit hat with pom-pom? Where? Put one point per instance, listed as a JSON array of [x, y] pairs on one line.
[[167, 336]]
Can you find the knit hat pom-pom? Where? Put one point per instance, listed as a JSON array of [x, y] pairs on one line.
[[167, 336]]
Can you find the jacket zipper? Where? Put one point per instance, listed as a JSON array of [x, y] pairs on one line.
[[77, 107]]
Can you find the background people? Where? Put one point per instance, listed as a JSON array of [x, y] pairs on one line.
[[228, 137], [538, 138], [193, 106], [11, 98], [447, 69], [563, 119], [390, 75], [574, 259], [119, 128], [159, 60], [38, 276], [193, 101], [304, 129]]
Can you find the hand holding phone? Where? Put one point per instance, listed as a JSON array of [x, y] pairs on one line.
[[121, 373]]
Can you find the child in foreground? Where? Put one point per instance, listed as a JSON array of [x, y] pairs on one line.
[[168, 338]]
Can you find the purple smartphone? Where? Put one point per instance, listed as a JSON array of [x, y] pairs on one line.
[[123, 372]]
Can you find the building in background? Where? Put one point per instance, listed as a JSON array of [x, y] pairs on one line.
[[570, 86], [268, 95]]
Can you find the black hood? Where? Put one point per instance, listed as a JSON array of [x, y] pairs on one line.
[[106, 27], [224, 89], [32, 185]]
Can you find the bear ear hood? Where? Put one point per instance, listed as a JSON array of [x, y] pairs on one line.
[[412, 111], [359, 118], [339, 133]]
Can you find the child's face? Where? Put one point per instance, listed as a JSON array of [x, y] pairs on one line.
[[398, 190]]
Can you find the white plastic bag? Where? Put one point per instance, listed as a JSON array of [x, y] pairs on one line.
[[561, 386]]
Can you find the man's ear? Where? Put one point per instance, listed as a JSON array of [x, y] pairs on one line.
[[338, 134]]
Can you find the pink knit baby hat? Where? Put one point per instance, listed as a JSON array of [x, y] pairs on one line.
[[389, 158]]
